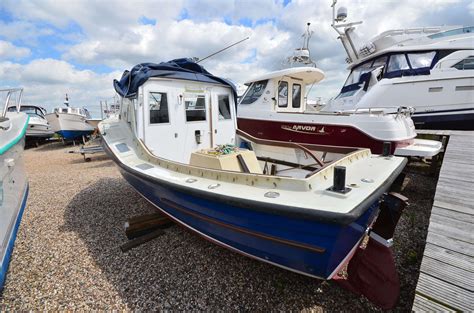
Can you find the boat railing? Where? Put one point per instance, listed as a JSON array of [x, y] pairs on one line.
[[9, 93], [399, 110]]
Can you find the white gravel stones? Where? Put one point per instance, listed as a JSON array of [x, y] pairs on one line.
[[67, 254]]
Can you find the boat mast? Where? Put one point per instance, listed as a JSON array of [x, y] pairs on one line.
[[66, 101], [302, 55]]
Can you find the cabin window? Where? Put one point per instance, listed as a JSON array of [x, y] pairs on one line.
[[254, 92], [420, 60], [296, 99], [195, 106], [283, 94], [379, 62], [158, 108], [397, 62], [453, 32], [224, 107], [64, 110], [466, 64]]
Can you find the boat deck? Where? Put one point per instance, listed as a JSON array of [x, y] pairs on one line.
[[446, 281]]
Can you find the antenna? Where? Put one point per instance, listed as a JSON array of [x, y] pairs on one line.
[[66, 102], [213, 54], [307, 36]]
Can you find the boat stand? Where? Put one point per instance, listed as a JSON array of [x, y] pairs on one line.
[[371, 271], [141, 229]]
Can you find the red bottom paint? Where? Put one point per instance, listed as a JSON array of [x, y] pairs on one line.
[[320, 134], [371, 272]]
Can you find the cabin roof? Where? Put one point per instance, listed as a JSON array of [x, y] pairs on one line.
[[309, 75], [182, 69]]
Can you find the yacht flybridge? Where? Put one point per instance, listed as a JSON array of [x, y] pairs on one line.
[[275, 107], [430, 69], [279, 202], [13, 180]]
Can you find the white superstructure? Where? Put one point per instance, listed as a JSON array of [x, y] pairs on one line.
[[430, 69], [70, 122]]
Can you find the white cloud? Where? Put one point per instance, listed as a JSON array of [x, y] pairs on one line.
[[10, 51], [94, 33], [46, 81]]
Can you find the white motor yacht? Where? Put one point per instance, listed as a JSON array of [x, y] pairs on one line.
[[38, 126], [430, 69]]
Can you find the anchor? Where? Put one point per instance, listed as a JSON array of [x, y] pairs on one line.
[[371, 271]]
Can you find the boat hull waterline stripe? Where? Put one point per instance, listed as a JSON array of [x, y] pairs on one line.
[[16, 139], [8, 251]]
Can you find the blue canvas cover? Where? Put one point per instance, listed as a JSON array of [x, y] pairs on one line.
[[183, 68]]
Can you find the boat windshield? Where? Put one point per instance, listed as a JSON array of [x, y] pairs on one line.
[[357, 72], [453, 32], [394, 65], [254, 92], [31, 111]]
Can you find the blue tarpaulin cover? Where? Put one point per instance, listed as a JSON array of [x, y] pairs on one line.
[[183, 68]]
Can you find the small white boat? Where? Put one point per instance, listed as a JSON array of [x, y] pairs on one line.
[[38, 126], [13, 179], [280, 202], [70, 122]]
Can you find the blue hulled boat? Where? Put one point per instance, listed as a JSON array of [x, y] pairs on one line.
[[304, 208], [13, 183], [69, 122]]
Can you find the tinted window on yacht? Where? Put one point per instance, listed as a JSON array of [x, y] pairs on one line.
[[158, 108], [224, 107], [453, 32], [356, 72], [296, 99], [254, 92], [195, 106], [466, 64], [380, 61], [420, 60], [397, 62], [283, 94]]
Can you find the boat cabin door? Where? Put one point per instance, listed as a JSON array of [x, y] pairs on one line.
[[289, 96], [223, 116], [197, 119]]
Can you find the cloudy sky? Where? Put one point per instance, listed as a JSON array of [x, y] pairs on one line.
[[54, 47]]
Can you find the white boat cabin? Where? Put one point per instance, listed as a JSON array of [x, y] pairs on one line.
[[284, 90], [70, 110], [175, 118]]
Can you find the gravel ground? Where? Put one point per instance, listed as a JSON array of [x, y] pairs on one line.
[[67, 252]]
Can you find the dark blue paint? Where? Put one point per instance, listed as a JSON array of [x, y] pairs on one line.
[[6, 260], [445, 121], [337, 240], [73, 134]]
